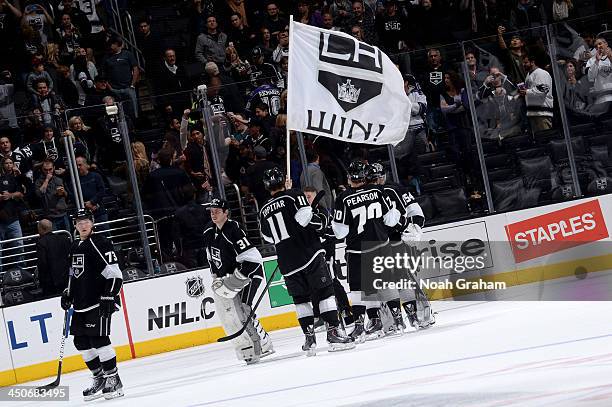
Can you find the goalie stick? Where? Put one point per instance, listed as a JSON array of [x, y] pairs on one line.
[[236, 334]]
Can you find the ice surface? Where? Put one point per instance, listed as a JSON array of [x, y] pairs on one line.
[[525, 353]]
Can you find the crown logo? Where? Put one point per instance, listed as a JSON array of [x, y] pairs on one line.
[[348, 93]]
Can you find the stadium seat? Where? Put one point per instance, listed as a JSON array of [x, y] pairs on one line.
[[501, 174], [558, 148], [438, 184], [495, 161], [451, 202], [427, 206], [538, 173], [511, 195], [531, 153]]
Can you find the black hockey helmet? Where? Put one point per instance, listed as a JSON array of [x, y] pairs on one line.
[[375, 171], [218, 203], [358, 171], [256, 52], [83, 213], [274, 178]]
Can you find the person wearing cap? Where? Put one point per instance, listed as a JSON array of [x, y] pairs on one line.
[[235, 264], [93, 293], [512, 55], [211, 44], [262, 73], [251, 181]]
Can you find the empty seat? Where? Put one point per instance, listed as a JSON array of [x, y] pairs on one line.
[[558, 148], [538, 173], [434, 157], [498, 161], [511, 195], [427, 205], [586, 129], [531, 152], [543, 137], [438, 184], [442, 170], [600, 153], [514, 142], [133, 273], [501, 174], [451, 202]]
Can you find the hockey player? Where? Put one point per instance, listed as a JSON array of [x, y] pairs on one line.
[[407, 232], [328, 241], [236, 266], [95, 281], [289, 222], [362, 215]]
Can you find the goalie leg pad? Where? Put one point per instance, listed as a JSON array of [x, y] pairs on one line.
[[233, 313]]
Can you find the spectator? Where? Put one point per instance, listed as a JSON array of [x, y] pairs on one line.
[[231, 7], [251, 182], [328, 22], [46, 101], [262, 73], [454, 108], [282, 49], [599, 68], [575, 91], [262, 112], [306, 16], [8, 115], [77, 17], [141, 168], [237, 69], [92, 187], [16, 156], [52, 260], [191, 221], [96, 36], [562, 9], [499, 111], [415, 142], [315, 177], [477, 74], [199, 11], [240, 35], [83, 73], [38, 72], [37, 17], [257, 137], [50, 190], [9, 29], [101, 90], [198, 164], [433, 86], [273, 21], [537, 91], [11, 194], [357, 32], [341, 12], [121, 70], [83, 134], [430, 25], [149, 43], [166, 189], [528, 14], [69, 40], [392, 29], [211, 44], [512, 57], [172, 84], [363, 20], [66, 87], [265, 44]]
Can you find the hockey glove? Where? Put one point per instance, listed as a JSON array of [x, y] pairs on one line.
[[66, 300], [412, 234], [107, 306], [229, 286]]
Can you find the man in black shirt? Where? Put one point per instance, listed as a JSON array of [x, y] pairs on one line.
[[52, 263], [121, 69], [290, 224], [93, 291], [392, 29]]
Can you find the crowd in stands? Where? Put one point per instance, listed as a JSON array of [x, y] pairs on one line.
[[62, 62]]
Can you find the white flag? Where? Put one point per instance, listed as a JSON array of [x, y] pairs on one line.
[[344, 89]]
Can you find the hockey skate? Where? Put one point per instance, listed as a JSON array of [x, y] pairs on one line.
[[310, 344], [319, 325], [337, 341], [398, 326], [358, 334], [410, 309], [95, 390], [113, 387], [374, 329]]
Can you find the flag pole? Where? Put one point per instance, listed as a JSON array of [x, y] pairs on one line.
[[288, 143]]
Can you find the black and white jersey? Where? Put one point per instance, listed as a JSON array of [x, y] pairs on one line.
[[288, 221], [228, 249], [410, 211], [269, 95], [217, 105], [325, 232], [94, 272], [362, 216]]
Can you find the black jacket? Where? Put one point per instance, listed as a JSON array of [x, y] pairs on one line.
[[52, 251]]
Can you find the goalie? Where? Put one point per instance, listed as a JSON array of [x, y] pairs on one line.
[[236, 266]]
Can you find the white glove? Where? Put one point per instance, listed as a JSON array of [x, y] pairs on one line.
[[230, 285], [413, 233]]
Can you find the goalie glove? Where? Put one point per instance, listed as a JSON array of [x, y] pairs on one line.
[[230, 285], [412, 234]]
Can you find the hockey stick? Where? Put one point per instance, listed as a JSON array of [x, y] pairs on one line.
[[252, 314], [56, 382], [236, 334]]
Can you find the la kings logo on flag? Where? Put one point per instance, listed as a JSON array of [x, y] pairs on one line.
[[336, 53], [78, 264]]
